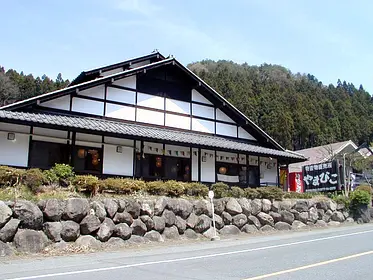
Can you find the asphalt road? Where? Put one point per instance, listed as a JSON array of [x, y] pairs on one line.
[[333, 253]]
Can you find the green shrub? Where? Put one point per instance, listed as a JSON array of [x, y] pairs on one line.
[[296, 195], [359, 198], [123, 185], [342, 199], [9, 176], [236, 192], [220, 190], [271, 193], [196, 189], [174, 188], [33, 179], [87, 183], [366, 188], [64, 173], [251, 193], [50, 177], [156, 188]]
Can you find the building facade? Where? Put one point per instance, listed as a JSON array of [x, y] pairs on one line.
[[148, 117]]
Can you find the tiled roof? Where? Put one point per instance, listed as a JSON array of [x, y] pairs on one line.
[[142, 131]]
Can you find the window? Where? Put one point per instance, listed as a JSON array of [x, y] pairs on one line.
[[254, 180], [45, 155], [177, 168], [87, 160], [152, 166]]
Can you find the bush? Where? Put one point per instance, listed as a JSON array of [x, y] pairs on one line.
[[196, 189], [123, 185], [156, 188], [236, 192], [359, 198], [10, 177], [174, 188], [251, 193], [341, 199], [296, 195], [33, 179], [87, 182], [64, 173], [220, 190], [50, 177], [271, 193], [366, 188]]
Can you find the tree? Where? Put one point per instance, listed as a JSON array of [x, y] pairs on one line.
[[8, 90]]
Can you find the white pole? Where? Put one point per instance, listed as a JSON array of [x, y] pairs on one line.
[[211, 196]]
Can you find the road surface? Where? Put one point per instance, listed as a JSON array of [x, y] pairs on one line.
[[333, 253]]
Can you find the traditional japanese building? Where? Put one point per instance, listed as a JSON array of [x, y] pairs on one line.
[[148, 117]]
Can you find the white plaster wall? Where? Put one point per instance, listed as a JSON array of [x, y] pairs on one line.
[[242, 133], [203, 111], [178, 121], [221, 116], [196, 96], [177, 106], [14, 153], [88, 106], [97, 92], [268, 171], [49, 135], [179, 149], [8, 127], [226, 129], [152, 117], [203, 126], [118, 163], [129, 82], [208, 167], [151, 101], [194, 164], [151, 148], [120, 112], [119, 141], [121, 95], [88, 140], [62, 103]]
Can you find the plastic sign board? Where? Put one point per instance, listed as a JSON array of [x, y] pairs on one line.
[[322, 177], [211, 194]]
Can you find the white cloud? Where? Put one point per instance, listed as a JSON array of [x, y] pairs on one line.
[[144, 7]]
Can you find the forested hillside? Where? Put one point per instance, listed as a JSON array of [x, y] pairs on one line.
[[16, 86], [297, 110]]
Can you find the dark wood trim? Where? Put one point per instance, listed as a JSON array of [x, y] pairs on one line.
[[165, 112], [71, 102], [72, 148], [122, 87], [134, 160], [141, 158], [199, 164], [103, 154], [136, 107], [203, 104], [216, 171], [278, 174], [30, 146], [215, 120], [259, 170], [105, 96], [191, 164]]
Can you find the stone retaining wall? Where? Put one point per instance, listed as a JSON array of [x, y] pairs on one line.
[[29, 227]]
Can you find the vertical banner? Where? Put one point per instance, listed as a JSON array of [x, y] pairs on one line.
[[284, 178], [322, 177]]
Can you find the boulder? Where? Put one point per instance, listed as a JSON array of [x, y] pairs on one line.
[[266, 205], [298, 225], [190, 234], [320, 223], [219, 223], [132, 207], [303, 217], [148, 222], [362, 214], [54, 209], [249, 229], [233, 207], [159, 223], [210, 233], [147, 208], [301, 205], [160, 205], [180, 223], [340, 207], [106, 230], [349, 220], [282, 226], [229, 230], [334, 224], [169, 217], [287, 216], [111, 207], [192, 220], [313, 215], [138, 227], [122, 231], [30, 241], [239, 220], [171, 233], [322, 205], [338, 217], [275, 206], [219, 205], [123, 217], [256, 206], [287, 204], [227, 218], [295, 213], [76, 209], [267, 228], [202, 206], [88, 241], [53, 230], [115, 242], [252, 220], [203, 223], [5, 250], [136, 239], [320, 214], [346, 213], [29, 214], [332, 205], [245, 205], [180, 207], [327, 216], [70, 231], [5, 213], [276, 216], [99, 210], [8, 231], [265, 219], [154, 236], [89, 224]]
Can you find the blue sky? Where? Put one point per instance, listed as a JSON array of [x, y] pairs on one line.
[[329, 39]]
